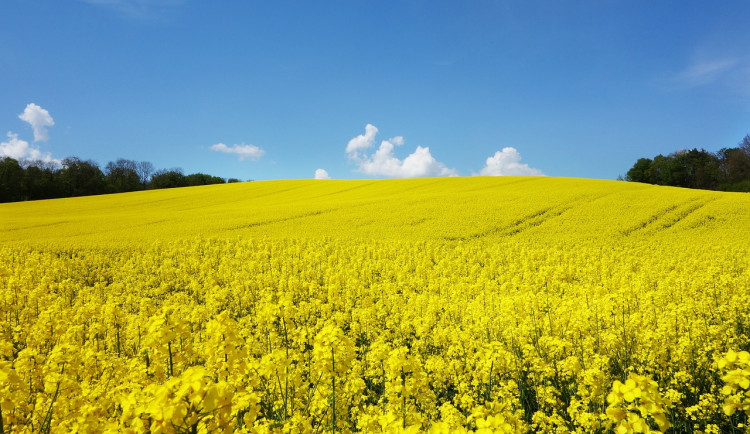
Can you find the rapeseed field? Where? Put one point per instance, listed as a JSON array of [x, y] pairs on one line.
[[425, 305]]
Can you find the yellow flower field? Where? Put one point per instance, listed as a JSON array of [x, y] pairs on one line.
[[423, 305]]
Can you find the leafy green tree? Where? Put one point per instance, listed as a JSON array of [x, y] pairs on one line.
[[203, 179], [640, 170], [32, 180], [728, 169], [11, 180], [81, 178], [167, 179], [734, 164], [122, 176], [40, 182], [660, 171], [701, 169]]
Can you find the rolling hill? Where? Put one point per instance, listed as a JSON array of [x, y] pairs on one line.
[[466, 209]]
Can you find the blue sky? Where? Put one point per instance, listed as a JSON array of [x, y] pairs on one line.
[[279, 89]]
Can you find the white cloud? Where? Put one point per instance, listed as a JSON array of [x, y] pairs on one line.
[[398, 140], [420, 163], [508, 163], [321, 174], [20, 149], [706, 71], [244, 151], [14, 147], [383, 162], [362, 141], [39, 119]]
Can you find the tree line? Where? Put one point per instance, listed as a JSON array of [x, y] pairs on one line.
[[725, 170], [32, 180]]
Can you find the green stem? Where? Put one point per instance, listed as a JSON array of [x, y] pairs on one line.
[[47, 422], [333, 384], [171, 365], [403, 399]]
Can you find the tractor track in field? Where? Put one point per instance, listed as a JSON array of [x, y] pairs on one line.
[[681, 215], [529, 221], [283, 219], [333, 193], [668, 216], [45, 225]]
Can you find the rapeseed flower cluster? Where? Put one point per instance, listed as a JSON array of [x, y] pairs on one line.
[[520, 317], [305, 336]]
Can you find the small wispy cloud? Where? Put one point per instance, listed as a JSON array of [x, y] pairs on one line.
[[508, 163], [243, 151], [383, 161], [39, 119], [322, 174], [139, 9], [707, 71]]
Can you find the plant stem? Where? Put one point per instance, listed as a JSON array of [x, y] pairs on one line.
[[333, 384]]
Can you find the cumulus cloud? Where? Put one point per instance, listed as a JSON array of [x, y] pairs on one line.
[[20, 149], [383, 161], [39, 119], [321, 174], [251, 152], [508, 163], [362, 141]]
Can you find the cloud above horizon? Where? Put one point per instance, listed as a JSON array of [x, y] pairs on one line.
[[362, 141], [20, 150], [39, 119], [243, 151], [322, 174], [383, 162], [706, 71], [508, 163]]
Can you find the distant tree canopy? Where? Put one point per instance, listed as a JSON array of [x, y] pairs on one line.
[[122, 176], [31, 180], [727, 170]]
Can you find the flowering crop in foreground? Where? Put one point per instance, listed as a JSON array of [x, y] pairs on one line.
[[265, 336], [490, 323]]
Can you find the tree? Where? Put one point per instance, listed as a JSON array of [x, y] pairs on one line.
[[727, 169], [744, 145], [735, 163], [202, 179], [122, 176], [11, 180], [639, 171], [167, 179], [32, 180], [701, 169], [144, 169], [40, 182], [81, 178], [660, 171]]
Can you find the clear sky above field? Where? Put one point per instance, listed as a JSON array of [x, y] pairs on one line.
[[357, 89]]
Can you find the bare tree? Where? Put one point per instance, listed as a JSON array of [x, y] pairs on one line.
[[144, 169], [745, 145]]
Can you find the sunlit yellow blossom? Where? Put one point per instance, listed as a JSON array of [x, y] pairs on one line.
[[423, 305]]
